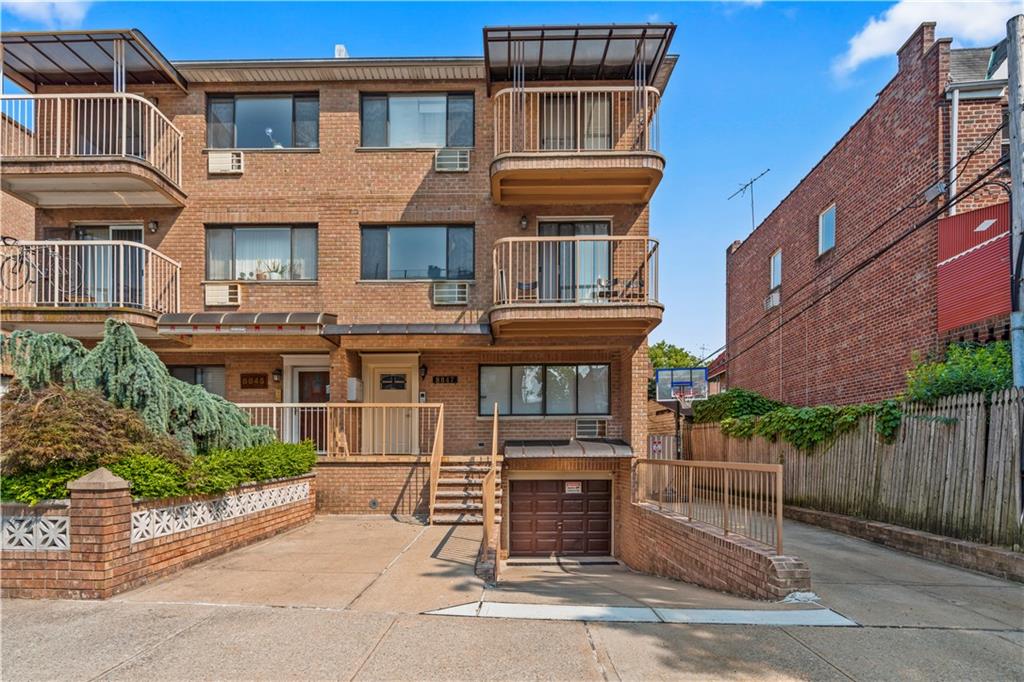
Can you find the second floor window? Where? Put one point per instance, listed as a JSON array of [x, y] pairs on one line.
[[417, 120], [417, 252], [261, 252], [776, 269], [263, 122], [827, 229]]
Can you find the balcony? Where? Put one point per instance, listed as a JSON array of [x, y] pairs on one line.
[[73, 286], [567, 145], [83, 150], [570, 286]]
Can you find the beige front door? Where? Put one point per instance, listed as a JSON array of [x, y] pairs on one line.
[[391, 430]]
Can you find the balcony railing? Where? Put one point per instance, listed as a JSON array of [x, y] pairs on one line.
[[354, 429], [87, 126], [88, 274], [557, 120], [575, 270]]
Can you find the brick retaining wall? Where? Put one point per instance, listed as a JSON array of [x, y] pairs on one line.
[[101, 558], [395, 485]]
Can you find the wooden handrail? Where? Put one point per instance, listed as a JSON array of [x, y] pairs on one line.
[[436, 455]]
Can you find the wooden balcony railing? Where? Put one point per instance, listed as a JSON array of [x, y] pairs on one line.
[[355, 429], [89, 125], [575, 270], [740, 499], [579, 120], [88, 274]]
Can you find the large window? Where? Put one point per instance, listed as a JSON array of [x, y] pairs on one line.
[[263, 121], [525, 390], [418, 120], [417, 252], [261, 252], [827, 229], [776, 269], [210, 378]]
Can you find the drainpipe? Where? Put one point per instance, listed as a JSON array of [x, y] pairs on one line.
[[954, 126]]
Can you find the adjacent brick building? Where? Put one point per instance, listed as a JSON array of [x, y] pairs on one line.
[[854, 299]]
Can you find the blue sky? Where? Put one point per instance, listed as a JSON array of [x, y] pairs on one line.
[[758, 85]]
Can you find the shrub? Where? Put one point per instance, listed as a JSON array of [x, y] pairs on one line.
[[53, 426], [48, 483], [151, 476], [966, 368], [807, 427], [226, 469], [734, 403]]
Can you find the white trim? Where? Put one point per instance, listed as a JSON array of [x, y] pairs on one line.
[[373, 360], [835, 225], [289, 377]]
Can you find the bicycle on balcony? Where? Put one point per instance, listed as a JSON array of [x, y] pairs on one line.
[[55, 276]]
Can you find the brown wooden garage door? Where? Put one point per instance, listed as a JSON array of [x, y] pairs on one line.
[[547, 520]]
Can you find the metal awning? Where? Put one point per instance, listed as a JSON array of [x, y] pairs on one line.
[[404, 329], [577, 447], [305, 323], [41, 58], [568, 53]]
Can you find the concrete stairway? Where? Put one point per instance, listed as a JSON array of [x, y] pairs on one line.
[[460, 492]]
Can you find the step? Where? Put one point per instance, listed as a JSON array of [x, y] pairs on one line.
[[463, 494], [460, 519], [465, 468], [462, 481], [461, 506]]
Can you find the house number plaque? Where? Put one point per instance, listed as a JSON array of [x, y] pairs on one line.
[[446, 379], [254, 381]]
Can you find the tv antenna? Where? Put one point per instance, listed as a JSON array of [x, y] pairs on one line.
[[743, 189]]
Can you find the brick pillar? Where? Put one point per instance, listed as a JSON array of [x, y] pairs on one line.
[[101, 526]]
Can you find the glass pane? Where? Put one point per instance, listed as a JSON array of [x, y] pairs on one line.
[[186, 374], [776, 265], [597, 121], [307, 122], [460, 253], [494, 383], [416, 121], [220, 123], [417, 253], [303, 253], [374, 121], [558, 121], [374, 253], [212, 379], [263, 122], [560, 388], [527, 389], [262, 252], [460, 120], [218, 253], [827, 230], [593, 389]]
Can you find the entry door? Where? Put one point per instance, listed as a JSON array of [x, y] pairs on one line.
[[314, 387], [103, 269], [560, 518], [391, 430], [570, 271]]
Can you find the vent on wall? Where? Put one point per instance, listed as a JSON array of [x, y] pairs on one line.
[[451, 293], [451, 160], [772, 300], [591, 428], [226, 162], [223, 294]]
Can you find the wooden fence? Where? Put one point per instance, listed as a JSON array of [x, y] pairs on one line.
[[954, 468]]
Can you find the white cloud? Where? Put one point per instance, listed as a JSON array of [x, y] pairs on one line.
[[970, 23], [59, 14]]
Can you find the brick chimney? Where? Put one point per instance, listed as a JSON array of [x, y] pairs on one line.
[[917, 44]]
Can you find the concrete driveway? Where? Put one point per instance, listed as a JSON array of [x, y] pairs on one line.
[[343, 598]]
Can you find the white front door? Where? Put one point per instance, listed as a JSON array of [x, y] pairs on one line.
[[391, 430]]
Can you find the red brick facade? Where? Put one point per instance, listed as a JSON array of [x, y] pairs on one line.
[[851, 320]]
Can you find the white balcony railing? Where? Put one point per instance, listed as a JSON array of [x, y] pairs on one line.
[[575, 270], [580, 120], [89, 125], [88, 274]]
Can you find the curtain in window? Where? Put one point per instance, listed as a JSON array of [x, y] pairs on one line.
[[218, 254], [220, 123], [304, 249], [527, 389], [374, 118], [494, 388], [558, 121], [593, 389], [374, 253], [262, 252], [416, 121], [558, 262], [460, 120], [560, 389]]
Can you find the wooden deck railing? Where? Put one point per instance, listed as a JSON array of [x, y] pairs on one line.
[[356, 429], [436, 455], [740, 499], [491, 530]]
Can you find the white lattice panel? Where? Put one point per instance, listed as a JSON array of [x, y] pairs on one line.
[[154, 523], [50, 533]]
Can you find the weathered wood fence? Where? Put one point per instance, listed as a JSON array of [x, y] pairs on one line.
[[954, 468]]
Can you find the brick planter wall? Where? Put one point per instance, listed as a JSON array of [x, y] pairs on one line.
[[394, 485], [103, 558]]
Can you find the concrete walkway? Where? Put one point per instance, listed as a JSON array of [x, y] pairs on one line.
[[342, 598]]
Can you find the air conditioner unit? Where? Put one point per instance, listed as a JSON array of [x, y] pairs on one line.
[[226, 162], [451, 160], [451, 293], [223, 294], [591, 428], [773, 299]]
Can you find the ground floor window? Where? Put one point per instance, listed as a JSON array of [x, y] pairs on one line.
[[210, 378], [544, 389]]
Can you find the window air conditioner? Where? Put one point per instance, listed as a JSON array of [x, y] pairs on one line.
[[226, 162], [451, 160], [451, 293], [223, 294], [773, 299], [591, 428]]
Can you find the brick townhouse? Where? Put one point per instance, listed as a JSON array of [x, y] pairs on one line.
[[367, 252], [857, 271]]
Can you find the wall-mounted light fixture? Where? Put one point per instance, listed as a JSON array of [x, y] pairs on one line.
[[423, 371], [523, 222], [153, 226], [277, 374]]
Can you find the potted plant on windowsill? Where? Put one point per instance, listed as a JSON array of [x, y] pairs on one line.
[[276, 269]]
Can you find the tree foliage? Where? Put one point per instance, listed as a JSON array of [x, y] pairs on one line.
[[664, 354], [734, 403], [130, 375], [966, 368]]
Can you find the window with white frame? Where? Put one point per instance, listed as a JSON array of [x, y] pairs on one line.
[[776, 269], [544, 390], [209, 377], [274, 121], [416, 120], [827, 229], [261, 252]]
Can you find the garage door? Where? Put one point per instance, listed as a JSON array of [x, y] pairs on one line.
[[560, 518]]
